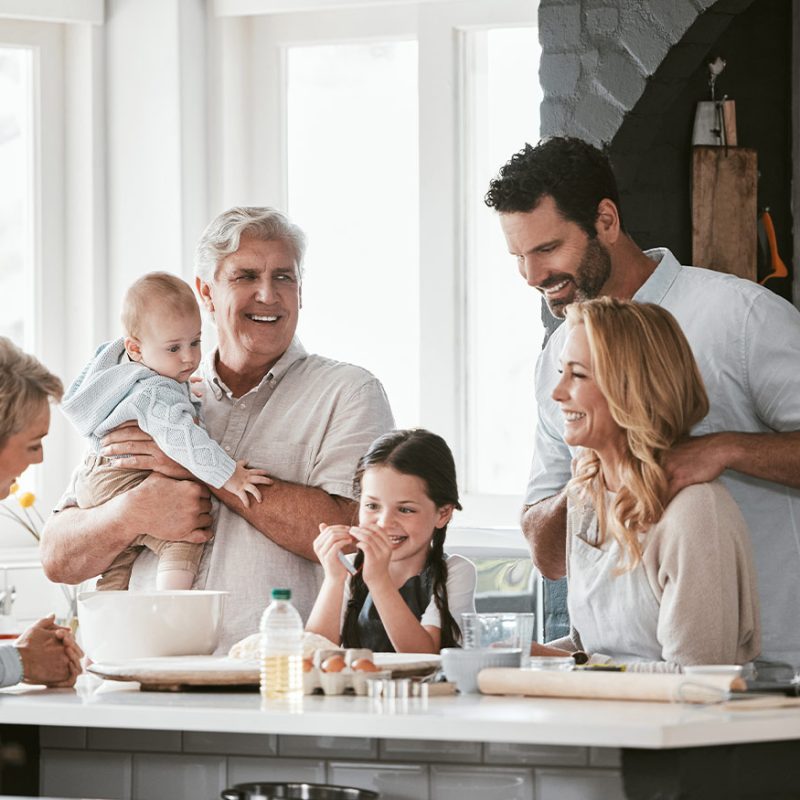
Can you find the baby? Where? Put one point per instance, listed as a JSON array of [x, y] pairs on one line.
[[144, 377]]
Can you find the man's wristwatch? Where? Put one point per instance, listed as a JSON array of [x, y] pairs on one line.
[[580, 657]]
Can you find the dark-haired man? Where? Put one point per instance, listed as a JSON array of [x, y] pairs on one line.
[[559, 208]]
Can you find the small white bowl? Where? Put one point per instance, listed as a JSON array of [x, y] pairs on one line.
[[122, 625], [731, 670], [462, 666]]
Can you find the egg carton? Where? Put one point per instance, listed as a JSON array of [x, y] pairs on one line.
[[339, 676]]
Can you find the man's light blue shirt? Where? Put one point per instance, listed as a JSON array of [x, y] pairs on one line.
[[746, 341]]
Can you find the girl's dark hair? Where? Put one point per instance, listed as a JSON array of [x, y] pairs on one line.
[[426, 456]]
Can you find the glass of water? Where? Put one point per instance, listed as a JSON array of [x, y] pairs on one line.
[[501, 629]]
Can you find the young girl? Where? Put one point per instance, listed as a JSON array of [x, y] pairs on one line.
[[406, 594]]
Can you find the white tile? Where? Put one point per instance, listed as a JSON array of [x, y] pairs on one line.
[[585, 784], [230, 744], [132, 741], [463, 783], [328, 746], [542, 754], [273, 770], [84, 773], [605, 757], [420, 750], [178, 777], [70, 738], [395, 782]]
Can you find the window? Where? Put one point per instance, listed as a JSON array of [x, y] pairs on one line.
[[351, 106], [31, 214], [378, 129], [16, 200], [504, 330]]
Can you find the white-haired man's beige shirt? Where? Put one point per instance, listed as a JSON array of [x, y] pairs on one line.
[[307, 422]]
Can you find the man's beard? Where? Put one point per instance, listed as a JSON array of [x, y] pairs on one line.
[[590, 277]]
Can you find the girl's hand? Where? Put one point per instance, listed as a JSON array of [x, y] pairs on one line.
[[332, 540], [374, 543]]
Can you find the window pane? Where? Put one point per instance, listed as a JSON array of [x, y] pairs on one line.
[[504, 327], [353, 186], [16, 148]]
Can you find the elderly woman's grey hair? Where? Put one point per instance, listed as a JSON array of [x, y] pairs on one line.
[[25, 384], [222, 236]]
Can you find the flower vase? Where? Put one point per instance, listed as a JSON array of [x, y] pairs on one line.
[[70, 618]]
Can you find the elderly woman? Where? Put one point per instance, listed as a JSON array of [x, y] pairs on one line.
[[46, 652], [655, 582]]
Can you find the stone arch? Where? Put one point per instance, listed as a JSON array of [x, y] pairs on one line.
[[599, 63]]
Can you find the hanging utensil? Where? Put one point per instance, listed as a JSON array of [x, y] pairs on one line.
[[776, 265]]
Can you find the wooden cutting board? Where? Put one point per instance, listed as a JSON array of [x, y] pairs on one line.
[[175, 673], [724, 213]]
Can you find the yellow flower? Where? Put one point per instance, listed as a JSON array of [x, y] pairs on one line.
[[14, 488], [26, 500]]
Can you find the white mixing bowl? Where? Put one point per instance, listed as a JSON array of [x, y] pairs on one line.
[[117, 626]]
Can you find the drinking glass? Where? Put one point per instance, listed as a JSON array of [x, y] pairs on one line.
[[502, 629]]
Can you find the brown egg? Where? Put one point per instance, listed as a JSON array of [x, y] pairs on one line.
[[364, 665], [307, 665], [333, 664]]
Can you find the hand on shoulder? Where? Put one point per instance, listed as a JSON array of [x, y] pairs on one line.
[[698, 459]]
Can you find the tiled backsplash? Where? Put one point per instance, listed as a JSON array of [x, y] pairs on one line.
[[152, 765]]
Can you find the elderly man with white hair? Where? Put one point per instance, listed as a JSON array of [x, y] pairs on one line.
[[303, 418]]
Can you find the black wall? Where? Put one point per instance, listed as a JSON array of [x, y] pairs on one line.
[[651, 151]]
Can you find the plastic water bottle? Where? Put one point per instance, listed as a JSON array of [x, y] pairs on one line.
[[281, 648]]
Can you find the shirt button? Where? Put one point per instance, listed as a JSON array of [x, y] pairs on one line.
[[227, 448], [242, 405]]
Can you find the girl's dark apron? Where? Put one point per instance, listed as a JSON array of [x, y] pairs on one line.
[[416, 592]]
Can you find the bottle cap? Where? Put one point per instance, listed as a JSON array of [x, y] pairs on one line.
[[281, 594]]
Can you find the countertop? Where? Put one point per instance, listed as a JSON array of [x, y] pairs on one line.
[[109, 704]]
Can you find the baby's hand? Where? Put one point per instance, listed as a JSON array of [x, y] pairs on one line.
[[196, 382], [245, 481], [329, 546]]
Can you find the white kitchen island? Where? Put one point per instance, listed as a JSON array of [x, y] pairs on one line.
[[110, 740]]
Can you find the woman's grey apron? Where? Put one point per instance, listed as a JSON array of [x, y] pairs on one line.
[[614, 614]]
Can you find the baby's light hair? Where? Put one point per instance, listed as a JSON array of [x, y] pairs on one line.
[[160, 292]]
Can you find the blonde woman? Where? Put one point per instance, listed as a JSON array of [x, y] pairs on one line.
[[46, 652], [655, 582]]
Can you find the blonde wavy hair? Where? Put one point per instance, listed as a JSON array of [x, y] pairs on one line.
[[645, 369], [25, 385]]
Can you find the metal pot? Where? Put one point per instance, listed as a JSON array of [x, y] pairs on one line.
[[296, 791]]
